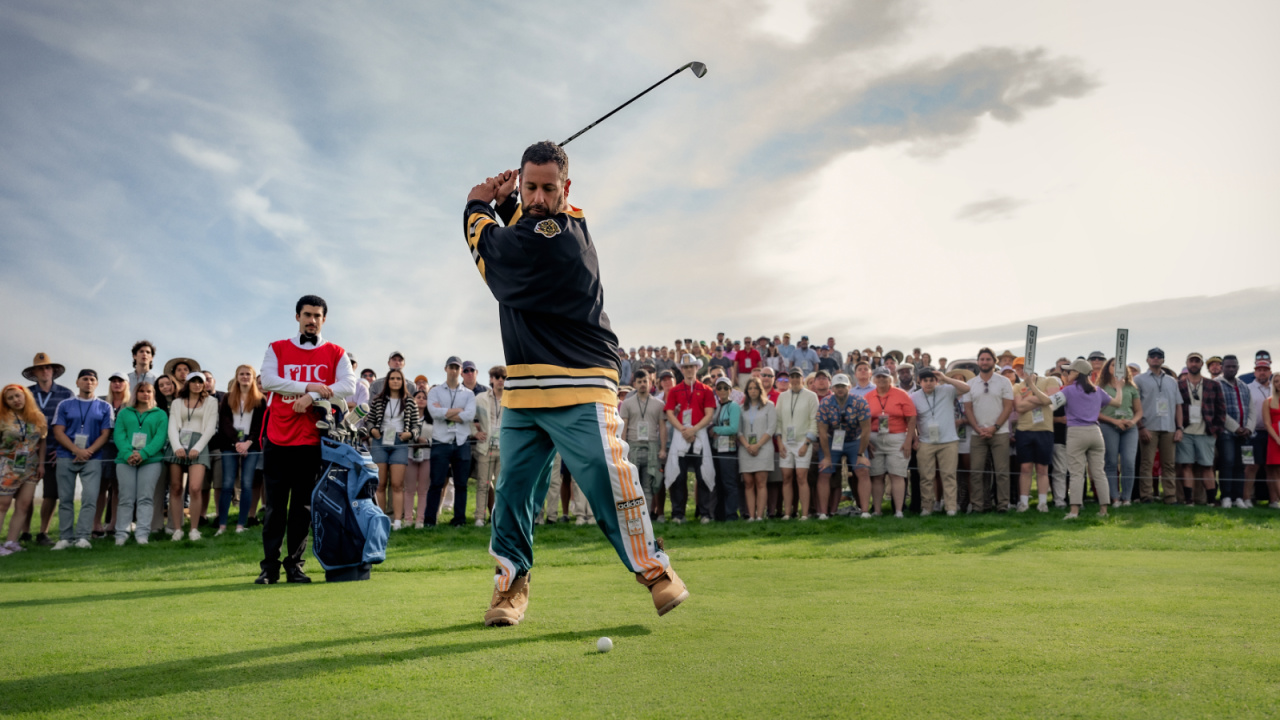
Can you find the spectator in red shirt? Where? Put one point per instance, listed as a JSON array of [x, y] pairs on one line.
[[746, 360], [690, 408]]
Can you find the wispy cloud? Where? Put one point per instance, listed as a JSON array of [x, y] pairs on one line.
[[997, 208], [202, 156]]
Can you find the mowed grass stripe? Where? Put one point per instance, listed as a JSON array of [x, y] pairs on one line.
[[1016, 632]]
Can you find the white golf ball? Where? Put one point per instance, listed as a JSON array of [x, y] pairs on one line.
[[604, 644]]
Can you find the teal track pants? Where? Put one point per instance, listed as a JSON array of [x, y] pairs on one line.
[[589, 440]]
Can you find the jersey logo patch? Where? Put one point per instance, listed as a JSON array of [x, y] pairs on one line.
[[548, 228]]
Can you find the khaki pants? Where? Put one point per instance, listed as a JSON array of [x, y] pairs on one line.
[[1162, 441], [487, 464], [578, 505], [938, 460], [1058, 473], [998, 446], [1087, 450]]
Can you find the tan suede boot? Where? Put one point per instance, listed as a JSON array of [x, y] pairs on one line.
[[507, 608], [667, 589]]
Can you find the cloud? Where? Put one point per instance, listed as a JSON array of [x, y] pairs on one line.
[[257, 207], [202, 156], [998, 208]]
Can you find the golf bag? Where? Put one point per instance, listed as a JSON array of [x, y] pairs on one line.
[[348, 528]]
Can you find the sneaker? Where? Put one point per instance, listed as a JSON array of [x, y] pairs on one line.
[[5, 551], [43, 540], [898, 514], [14, 547], [1071, 516], [580, 521], [419, 526], [240, 529], [84, 544], [951, 513], [804, 517], [937, 506], [660, 520], [705, 520], [1022, 506], [194, 535], [267, 577], [565, 519], [1059, 503], [867, 516], [1042, 507], [508, 608], [1226, 503], [786, 517], [120, 542], [1239, 503], [141, 539], [295, 575], [1248, 504], [677, 521], [479, 523], [1116, 503], [24, 537], [821, 516], [926, 513], [175, 535], [667, 589], [220, 531], [395, 525]]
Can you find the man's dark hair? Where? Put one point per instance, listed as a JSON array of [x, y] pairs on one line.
[[988, 351], [1230, 357], [141, 344], [638, 374], [498, 371], [927, 374], [541, 153], [314, 300]]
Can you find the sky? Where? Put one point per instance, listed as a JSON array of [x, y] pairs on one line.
[[902, 174]]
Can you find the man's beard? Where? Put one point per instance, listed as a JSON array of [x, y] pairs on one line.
[[541, 210]]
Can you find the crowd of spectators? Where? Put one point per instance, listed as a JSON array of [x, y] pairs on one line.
[[764, 429]]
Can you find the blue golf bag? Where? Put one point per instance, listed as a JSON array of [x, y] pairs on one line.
[[349, 531]]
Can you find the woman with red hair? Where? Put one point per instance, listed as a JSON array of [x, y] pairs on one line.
[[22, 433]]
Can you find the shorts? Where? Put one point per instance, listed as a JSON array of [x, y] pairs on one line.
[[1035, 446], [1260, 439], [794, 459], [848, 451], [1196, 450], [887, 457], [397, 454]]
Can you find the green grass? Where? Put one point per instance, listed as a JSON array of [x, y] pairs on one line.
[[1156, 612]]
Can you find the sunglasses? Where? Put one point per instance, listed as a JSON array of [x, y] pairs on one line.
[[986, 386], [470, 371]]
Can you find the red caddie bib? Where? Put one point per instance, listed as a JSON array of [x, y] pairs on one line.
[[313, 365]]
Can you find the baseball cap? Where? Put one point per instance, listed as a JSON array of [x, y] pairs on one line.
[[453, 360], [841, 379], [1195, 355], [1214, 359], [94, 374], [804, 337], [688, 359], [824, 347], [1006, 368], [722, 380], [1155, 352], [351, 357], [882, 371], [468, 365], [118, 376], [420, 378], [822, 373], [1262, 364], [1097, 355], [666, 374], [1019, 361], [795, 371], [396, 353]]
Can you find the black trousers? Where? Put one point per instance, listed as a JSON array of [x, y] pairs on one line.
[[679, 491], [290, 476], [449, 459]]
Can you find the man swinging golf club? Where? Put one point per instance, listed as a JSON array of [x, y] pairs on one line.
[[562, 378]]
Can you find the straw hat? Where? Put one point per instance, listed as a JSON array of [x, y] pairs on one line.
[[43, 360], [960, 374], [169, 366]]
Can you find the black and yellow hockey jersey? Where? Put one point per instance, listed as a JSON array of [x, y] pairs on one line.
[[559, 347]]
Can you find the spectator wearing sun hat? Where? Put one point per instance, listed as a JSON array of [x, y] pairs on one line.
[[48, 395], [178, 368]]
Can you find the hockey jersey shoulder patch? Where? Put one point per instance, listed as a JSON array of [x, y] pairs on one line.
[[548, 228]]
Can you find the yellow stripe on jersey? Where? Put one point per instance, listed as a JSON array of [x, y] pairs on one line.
[[531, 398], [476, 223], [538, 370]]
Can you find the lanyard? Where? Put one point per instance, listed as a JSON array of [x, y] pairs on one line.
[[191, 411], [884, 403], [842, 412], [932, 399], [44, 402], [724, 407], [794, 395], [1159, 381], [84, 414], [644, 409]]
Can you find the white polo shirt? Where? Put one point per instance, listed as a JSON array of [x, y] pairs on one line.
[[988, 398]]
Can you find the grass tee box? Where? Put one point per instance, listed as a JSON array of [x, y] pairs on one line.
[[1155, 613]]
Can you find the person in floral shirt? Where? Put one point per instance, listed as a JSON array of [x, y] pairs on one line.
[[22, 432], [844, 421]]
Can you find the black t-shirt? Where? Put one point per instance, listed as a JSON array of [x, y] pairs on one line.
[[829, 364], [722, 362]]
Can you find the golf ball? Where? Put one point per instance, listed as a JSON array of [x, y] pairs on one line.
[[604, 644]]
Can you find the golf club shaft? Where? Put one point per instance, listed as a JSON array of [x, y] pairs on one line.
[[637, 97]]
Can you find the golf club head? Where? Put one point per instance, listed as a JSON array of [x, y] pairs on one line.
[[699, 69]]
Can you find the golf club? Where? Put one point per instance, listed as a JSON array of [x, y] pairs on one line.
[[699, 69]]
